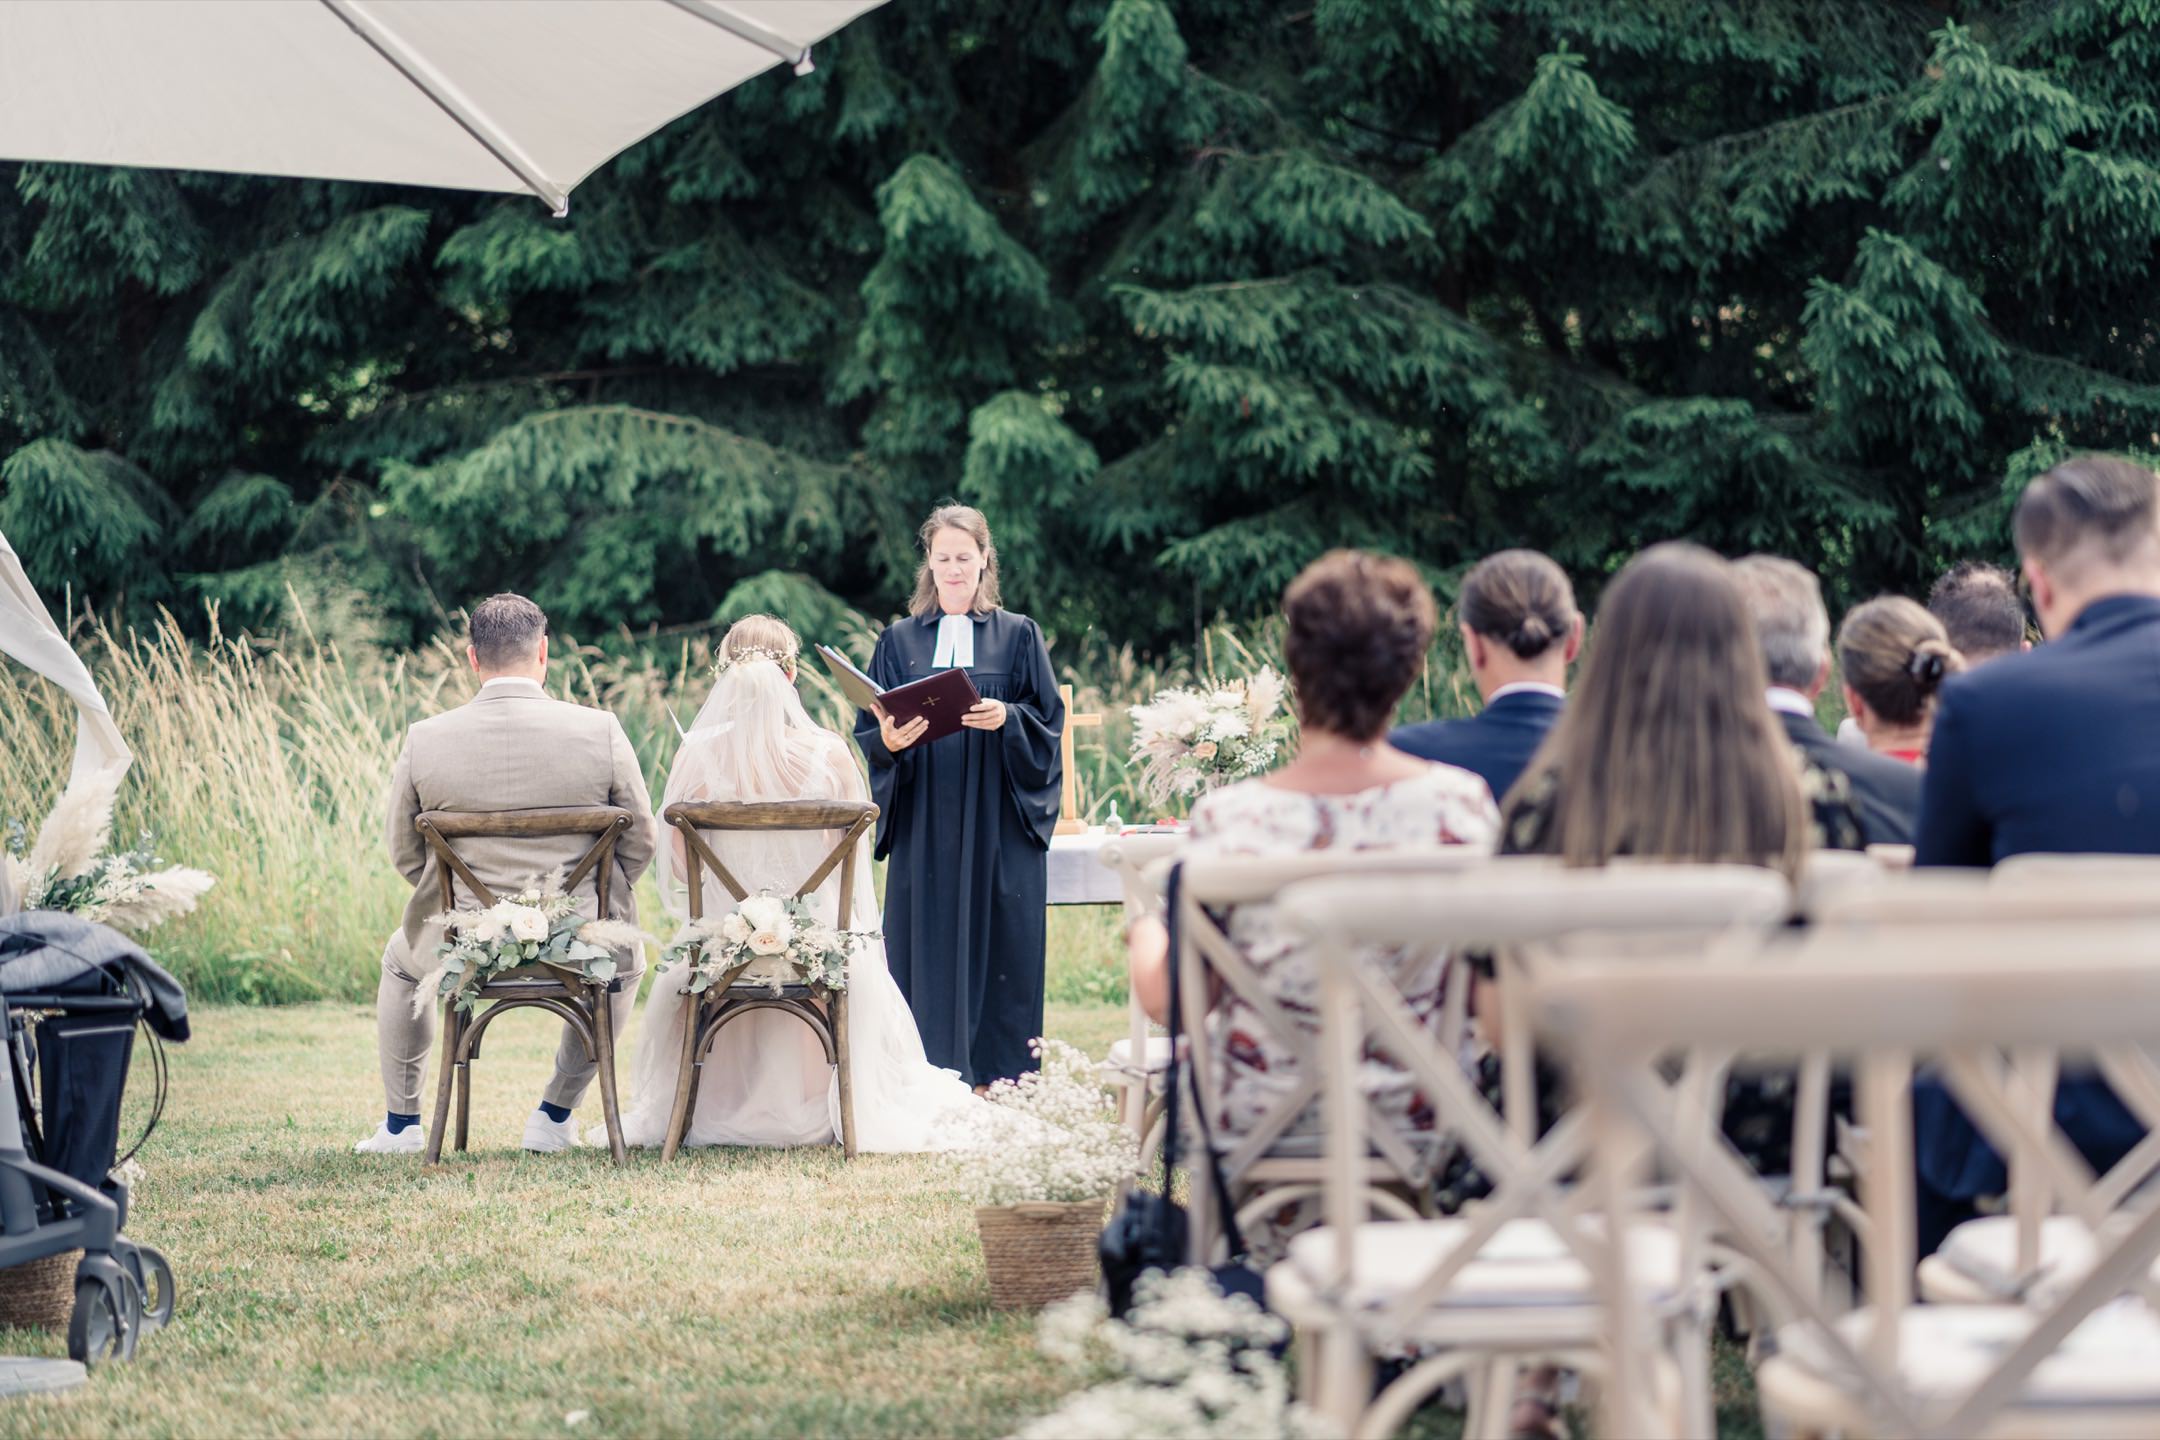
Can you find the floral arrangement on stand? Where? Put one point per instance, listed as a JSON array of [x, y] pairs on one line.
[[69, 866], [539, 925], [1191, 740], [1188, 1360], [765, 940]]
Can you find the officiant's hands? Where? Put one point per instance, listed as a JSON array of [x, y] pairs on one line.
[[900, 737], [985, 715]]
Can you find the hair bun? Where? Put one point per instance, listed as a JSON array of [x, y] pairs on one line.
[[1927, 667], [1531, 636]]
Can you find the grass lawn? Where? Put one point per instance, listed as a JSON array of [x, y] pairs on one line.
[[735, 1292]]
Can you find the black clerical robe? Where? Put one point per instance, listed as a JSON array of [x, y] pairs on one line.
[[965, 823]]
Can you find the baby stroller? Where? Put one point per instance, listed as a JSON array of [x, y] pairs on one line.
[[75, 993]]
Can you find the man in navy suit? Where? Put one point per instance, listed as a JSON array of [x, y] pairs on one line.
[[1520, 632], [2053, 750], [1794, 627]]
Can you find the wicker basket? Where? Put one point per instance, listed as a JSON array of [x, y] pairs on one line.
[[41, 1293], [1039, 1252]]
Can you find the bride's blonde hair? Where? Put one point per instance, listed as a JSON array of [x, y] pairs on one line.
[[760, 637]]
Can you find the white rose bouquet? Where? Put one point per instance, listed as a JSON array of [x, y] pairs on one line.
[[1193, 740], [539, 925], [765, 940]]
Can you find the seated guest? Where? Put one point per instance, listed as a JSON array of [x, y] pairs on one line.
[[1978, 605], [2053, 752], [1793, 629], [1894, 657], [1359, 628], [1520, 632]]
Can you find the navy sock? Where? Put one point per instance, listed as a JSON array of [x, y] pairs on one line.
[[556, 1113], [396, 1123]]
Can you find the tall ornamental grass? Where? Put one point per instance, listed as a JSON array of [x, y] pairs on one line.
[[267, 762]]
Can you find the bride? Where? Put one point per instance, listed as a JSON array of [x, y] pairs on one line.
[[765, 1079]]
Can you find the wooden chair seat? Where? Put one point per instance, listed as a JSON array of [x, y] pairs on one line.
[[1153, 1061], [2102, 1379], [1525, 1263]]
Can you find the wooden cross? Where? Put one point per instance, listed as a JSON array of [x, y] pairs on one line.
[[1069, 821]]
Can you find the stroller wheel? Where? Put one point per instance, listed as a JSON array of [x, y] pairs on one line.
[[153, 1276], [107, 1319]]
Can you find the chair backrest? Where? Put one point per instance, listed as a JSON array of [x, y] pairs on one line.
[[1687, 907], [1956, 997], [606, 824], [852, 818], [2128, 871], [1212, 969], [1140, 863]]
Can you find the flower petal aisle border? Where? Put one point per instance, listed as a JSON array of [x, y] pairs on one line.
[[69, 867], [1188, 1361], [539, 925], [1041, 1160], [1194, 740]]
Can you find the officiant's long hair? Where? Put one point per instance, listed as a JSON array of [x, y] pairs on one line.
[[1667, 749], [970, 522]]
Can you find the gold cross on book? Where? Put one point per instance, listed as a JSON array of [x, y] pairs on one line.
[[1069, 821]]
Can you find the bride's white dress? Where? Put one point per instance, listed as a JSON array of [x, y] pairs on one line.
[[765, 1080]]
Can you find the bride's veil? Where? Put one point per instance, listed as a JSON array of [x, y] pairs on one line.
[[753, 741]]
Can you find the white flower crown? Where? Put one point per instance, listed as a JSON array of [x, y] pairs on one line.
[[782, 658]]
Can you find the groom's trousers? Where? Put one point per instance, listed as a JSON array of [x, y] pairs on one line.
[[404, 1039]]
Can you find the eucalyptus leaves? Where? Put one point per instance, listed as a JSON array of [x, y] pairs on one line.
[[765, 940], [539, 925]]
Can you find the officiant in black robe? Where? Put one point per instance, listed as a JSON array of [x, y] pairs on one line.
[[965, 821]]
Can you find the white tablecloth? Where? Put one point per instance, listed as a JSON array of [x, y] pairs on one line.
[[1077, 874]]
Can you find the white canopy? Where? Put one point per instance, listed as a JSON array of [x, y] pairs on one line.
[[28, 634], [502, 95]]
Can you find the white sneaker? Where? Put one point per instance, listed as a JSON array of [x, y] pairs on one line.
[[548, 1136], [409, 1141]]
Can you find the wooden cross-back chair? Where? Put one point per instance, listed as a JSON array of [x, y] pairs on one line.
[[2072, 1363], [2026, 1250], [1511, 1280], [1268, 1167], [581, 1003], [1138, 1063], [824, 1011]]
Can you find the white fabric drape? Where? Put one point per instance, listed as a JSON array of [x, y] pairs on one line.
[[765, 1081], [28, 634]]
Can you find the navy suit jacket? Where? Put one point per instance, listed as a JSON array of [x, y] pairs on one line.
[[2051, 750], [1496, 743], [1886, 792]]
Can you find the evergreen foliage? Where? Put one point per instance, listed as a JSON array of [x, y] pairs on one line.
[[1180, 291]]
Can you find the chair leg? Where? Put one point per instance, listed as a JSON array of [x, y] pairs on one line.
[[687, 1075], [445, 1067], [838, 1008], [1346, 1378], [464, 1100], [603, 1021]]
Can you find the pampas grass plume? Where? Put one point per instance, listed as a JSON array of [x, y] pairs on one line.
[[75, 833]]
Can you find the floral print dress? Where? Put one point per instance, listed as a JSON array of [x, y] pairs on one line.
[[1255, 1069]]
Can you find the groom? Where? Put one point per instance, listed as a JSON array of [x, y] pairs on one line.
[[510, 747]]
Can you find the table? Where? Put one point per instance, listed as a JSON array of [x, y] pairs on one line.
[[1077, 874]]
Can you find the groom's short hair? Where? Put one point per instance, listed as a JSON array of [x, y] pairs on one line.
[[506, 630]]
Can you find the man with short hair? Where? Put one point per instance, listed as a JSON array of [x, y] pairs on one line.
[[2052, 752], [1978, 604], [1793, 626], [511, 747]]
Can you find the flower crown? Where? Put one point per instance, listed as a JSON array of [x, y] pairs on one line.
[[782, 658]]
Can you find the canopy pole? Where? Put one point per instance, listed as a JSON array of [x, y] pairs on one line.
[[437, 87]]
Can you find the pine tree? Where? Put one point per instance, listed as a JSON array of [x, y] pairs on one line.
[[1180, 291]]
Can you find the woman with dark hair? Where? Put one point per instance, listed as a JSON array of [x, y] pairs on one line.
[[1894, 656], [1359, 628], [966, 820], [1520, 632]]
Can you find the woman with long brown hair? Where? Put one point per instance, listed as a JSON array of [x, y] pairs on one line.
[[966, 820]]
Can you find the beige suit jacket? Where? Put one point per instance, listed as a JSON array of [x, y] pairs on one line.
[[511, 748]]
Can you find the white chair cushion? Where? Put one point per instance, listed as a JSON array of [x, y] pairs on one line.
[[1525, 1263], [1984, 1251], [1156, 1056], [2113, 1358]]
